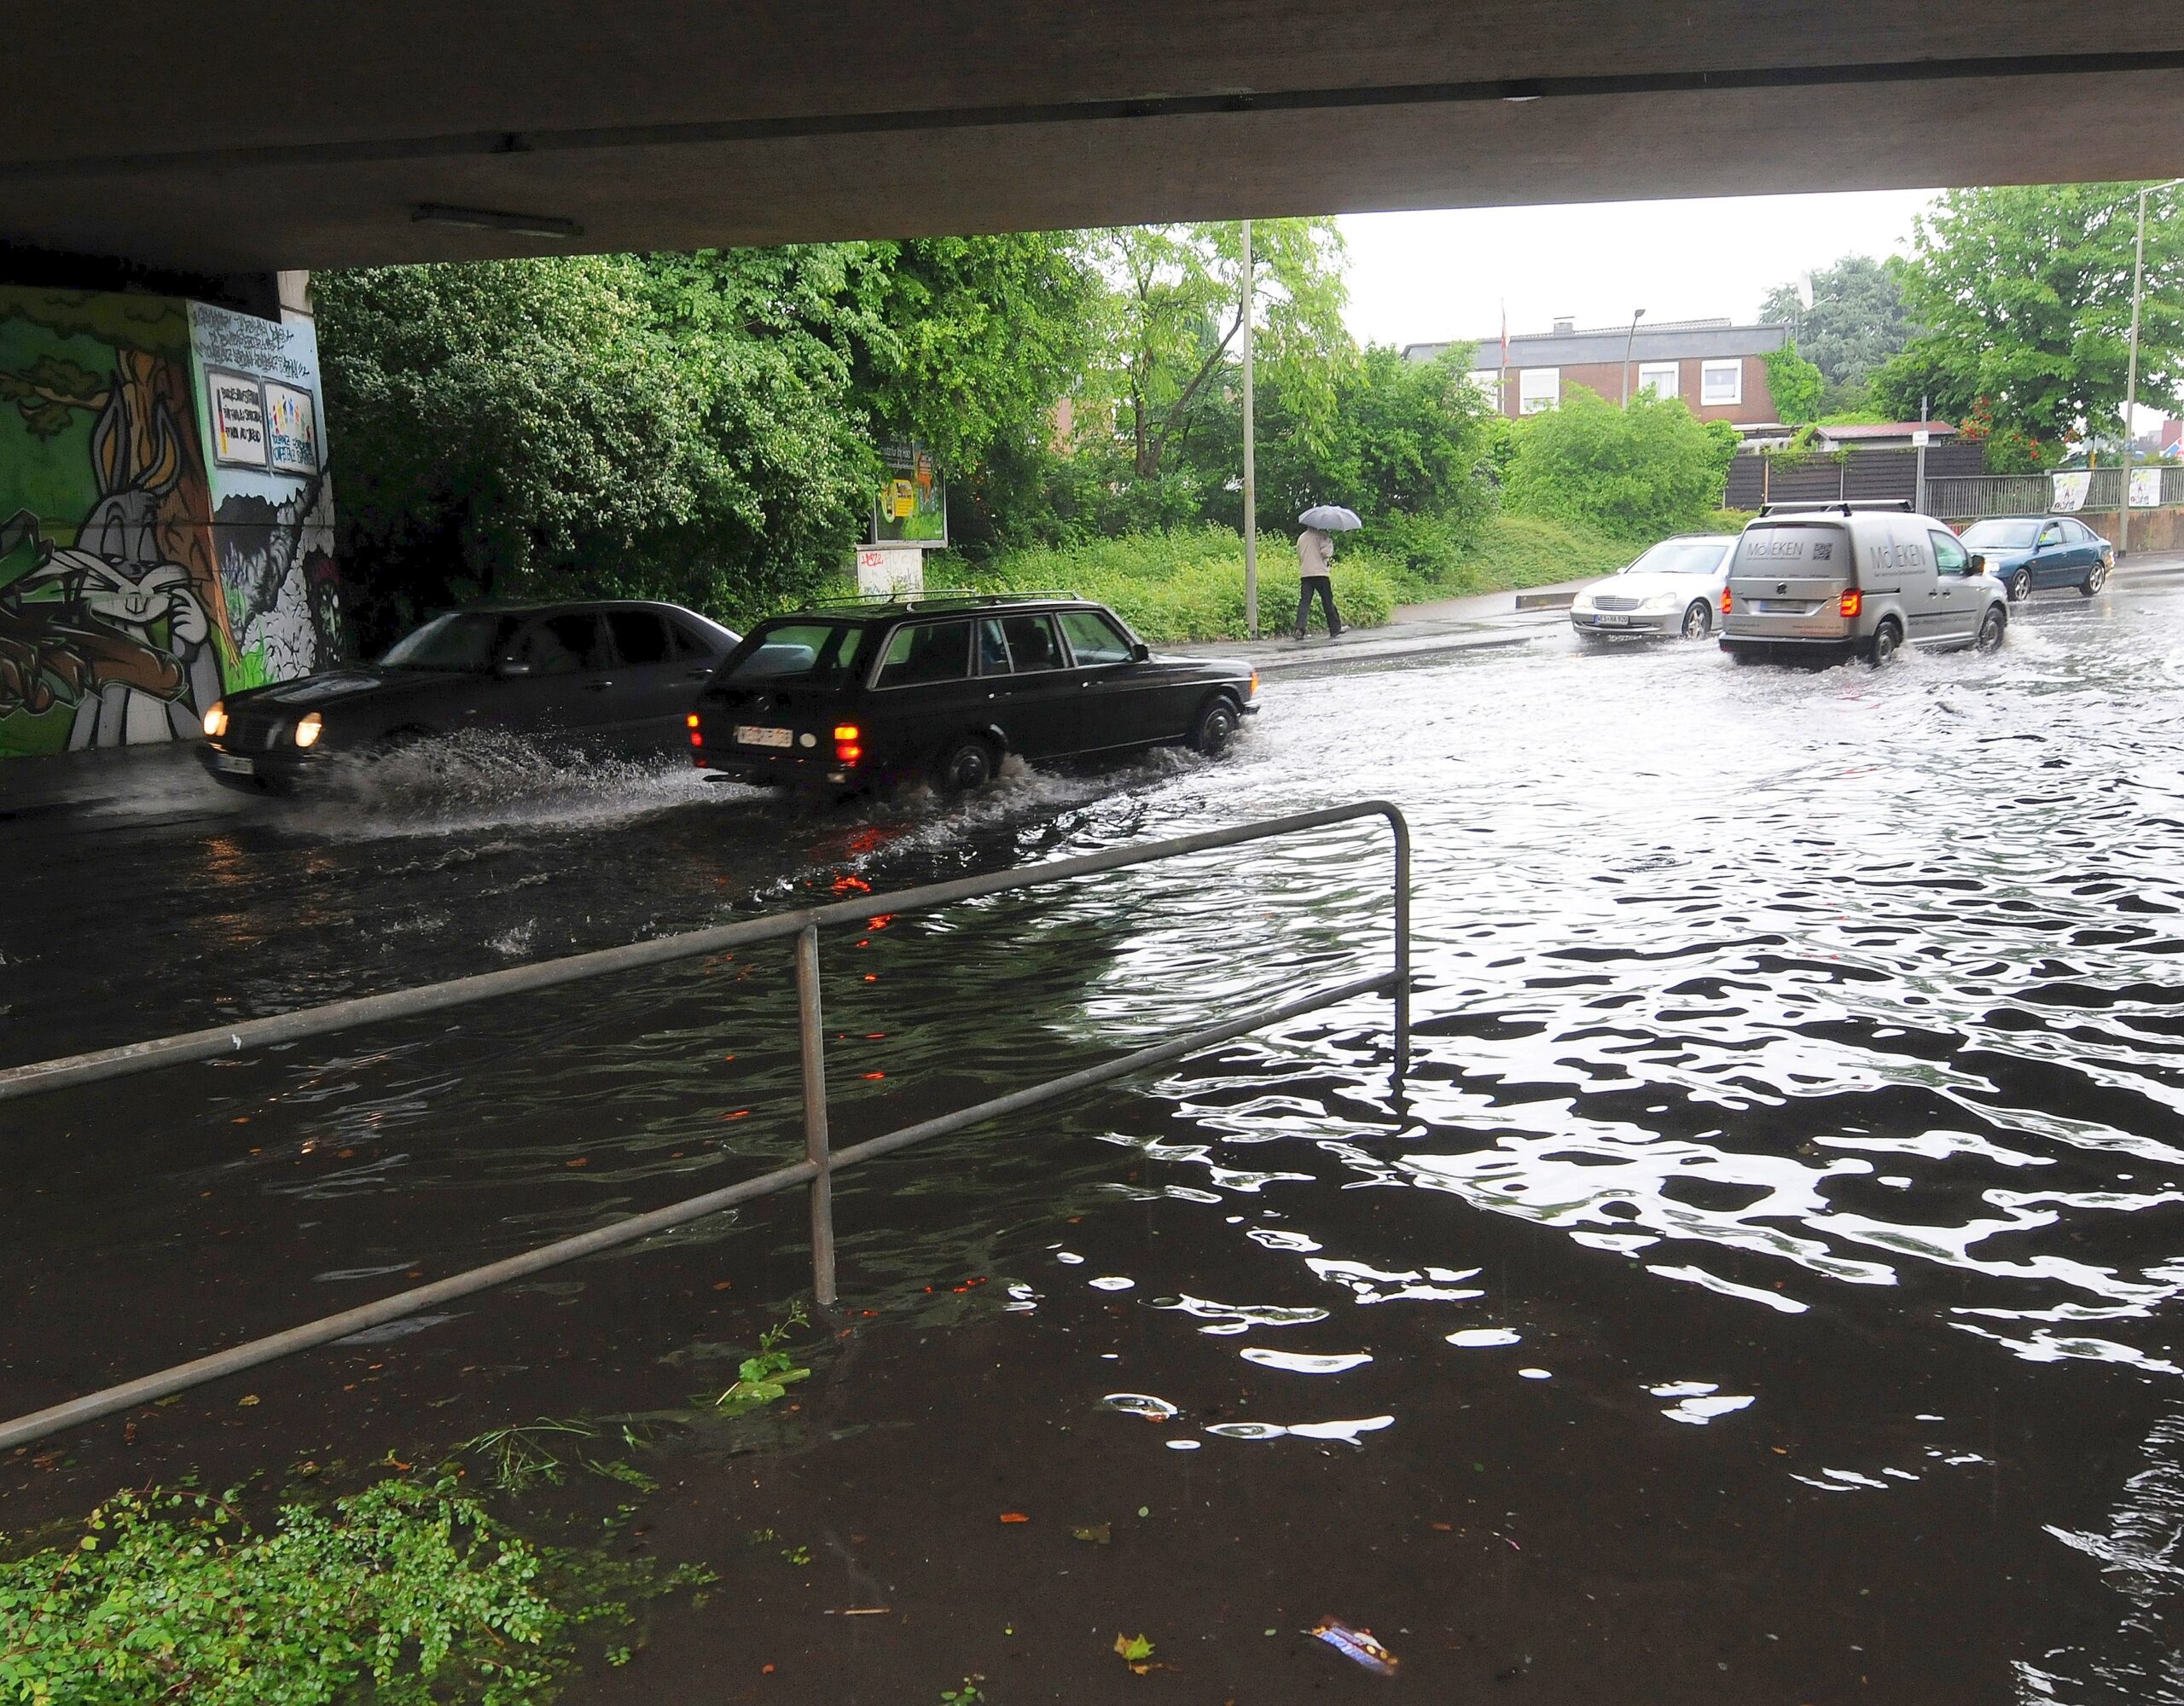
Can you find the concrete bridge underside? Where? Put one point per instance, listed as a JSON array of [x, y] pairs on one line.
[[223, 139]]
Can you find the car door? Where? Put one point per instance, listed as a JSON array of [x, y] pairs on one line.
[[1907, 556], [1959, 596], [2083, 549], [556, 681], [2051, 557], [654, 687], [1023, 674], [923, 692], [1120, 697]]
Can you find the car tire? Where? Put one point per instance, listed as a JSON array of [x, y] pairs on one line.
[[2094, 580], [1992, 627], [1887, 639], [2020, 586], [1697, 619], [966, 765], [1214, 731]]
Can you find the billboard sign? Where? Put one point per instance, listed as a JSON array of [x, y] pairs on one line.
[[911, 507]]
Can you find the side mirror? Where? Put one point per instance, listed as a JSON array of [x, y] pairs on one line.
[[1977, 565], [511, 668], [1139, 650]]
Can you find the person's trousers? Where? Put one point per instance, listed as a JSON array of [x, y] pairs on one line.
[[1325, 588]]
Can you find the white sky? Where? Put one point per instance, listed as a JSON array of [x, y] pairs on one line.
[[1425, 277]]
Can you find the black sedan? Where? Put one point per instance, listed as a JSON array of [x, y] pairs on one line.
[[941, 689], [610, 678]]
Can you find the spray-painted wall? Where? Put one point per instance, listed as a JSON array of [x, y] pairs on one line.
[[151, 557]]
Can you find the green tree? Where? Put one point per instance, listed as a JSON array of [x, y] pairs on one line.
[[1176, 310], [1796, 384], [1638, 471], [1856, 323], [2024, 295]]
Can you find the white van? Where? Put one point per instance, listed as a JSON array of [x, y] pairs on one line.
[[1852, 579]]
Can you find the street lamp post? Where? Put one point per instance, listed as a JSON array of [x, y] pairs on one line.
[[1629, 344], [2131, 372]]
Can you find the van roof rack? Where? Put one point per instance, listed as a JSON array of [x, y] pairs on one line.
[[1839, 507]]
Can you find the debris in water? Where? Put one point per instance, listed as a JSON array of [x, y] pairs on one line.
[[1097, 1534], [1137, 1653], [1014, 1516], [1357, 1645]]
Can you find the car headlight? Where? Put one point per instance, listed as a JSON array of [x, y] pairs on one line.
[[1660, 602], [216, 720], [1583, 601], [308, 726]]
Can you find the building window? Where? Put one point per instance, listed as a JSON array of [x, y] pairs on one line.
[[1658, 377], [1488, 384], [1721, 382], [1538, 389]]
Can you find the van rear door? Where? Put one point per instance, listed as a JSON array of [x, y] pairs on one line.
[[1786, 581]]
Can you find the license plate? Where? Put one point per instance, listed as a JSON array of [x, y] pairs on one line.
[[1615, 620], [746, 734], [233, 766]]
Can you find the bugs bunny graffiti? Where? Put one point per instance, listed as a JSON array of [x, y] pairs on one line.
[[123, 599]]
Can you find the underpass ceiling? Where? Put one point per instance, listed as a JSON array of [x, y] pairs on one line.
[[249, 140]]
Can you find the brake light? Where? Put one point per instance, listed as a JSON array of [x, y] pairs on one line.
[[1851, 603], [847, 749], [697, 739], [1728, 603]]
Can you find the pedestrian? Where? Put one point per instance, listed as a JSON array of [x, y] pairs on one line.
[[1315, 565]]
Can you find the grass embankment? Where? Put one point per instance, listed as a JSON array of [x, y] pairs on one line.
[[1189, 584]]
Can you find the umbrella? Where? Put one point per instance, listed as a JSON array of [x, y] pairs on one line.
[[1330, 518]]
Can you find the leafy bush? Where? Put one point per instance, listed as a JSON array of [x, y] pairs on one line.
[[1634, 472], [1187, 584], [1795, 383], [170, 1597]]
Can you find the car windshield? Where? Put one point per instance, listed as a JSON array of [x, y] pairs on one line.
[[2011, 535], [1681, 557], [795, 649], [462, 641]]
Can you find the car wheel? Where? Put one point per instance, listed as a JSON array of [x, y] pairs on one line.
[[1697, 620], [965, 766], [2020, 586], [1992, 627], [1214, 731], [1886, 638], [2095, 581]]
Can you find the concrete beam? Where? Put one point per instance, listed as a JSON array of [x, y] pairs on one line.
[[311, 139]]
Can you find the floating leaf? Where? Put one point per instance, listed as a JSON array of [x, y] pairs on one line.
[[1098, 1535]]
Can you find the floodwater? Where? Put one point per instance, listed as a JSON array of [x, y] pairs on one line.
[[1763, 1288]]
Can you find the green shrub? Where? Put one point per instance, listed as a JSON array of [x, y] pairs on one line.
[[170, 1597], [1637, 472], [1184, 585]]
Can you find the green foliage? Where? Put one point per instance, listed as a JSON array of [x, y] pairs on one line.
[[762, 1378], [1188, 584], [1795, 383], [2025, 297], [1856, 323], [172, 1598], [1639, 471]]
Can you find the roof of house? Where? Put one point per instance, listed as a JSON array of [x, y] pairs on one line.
[[1664, 341], [1886, 429]]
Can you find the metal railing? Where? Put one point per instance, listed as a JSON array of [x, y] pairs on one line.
[[1967, 498], [821, 1161]]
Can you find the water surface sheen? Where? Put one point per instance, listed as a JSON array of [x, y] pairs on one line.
[[1841, 1005]]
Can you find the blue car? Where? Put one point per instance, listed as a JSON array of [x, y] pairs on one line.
[[2027, 552]]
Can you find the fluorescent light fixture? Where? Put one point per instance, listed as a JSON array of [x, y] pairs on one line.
[[484, 219]]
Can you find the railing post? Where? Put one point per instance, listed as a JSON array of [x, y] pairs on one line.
[[814, 1038], [1401, 830]]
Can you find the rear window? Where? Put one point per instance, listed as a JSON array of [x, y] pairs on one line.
[[818, 652], [1794, 550], [927, 652]]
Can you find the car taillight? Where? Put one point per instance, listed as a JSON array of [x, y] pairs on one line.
[[1728, 603], [847, 750], [697, 738], [1851, 603]]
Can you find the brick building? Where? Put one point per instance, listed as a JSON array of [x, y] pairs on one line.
[[1717, 367]]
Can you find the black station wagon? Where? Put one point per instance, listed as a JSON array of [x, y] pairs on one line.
[[940, 686]]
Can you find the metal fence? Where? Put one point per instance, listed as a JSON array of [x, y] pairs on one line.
[[1968, 498], [821, 1161]]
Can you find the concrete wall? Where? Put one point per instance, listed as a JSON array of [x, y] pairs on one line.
[[2152, 530], [166, 522]]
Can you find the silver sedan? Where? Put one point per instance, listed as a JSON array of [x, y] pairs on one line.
[[1673, 589]]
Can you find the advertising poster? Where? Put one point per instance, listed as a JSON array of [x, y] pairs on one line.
[[2071, 490], [912, 505]]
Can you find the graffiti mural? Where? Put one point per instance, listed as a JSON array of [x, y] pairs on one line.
[[272, 506], [111, 608], [152, 555]]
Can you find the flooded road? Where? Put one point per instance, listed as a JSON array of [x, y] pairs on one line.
[[1763, 1288]]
